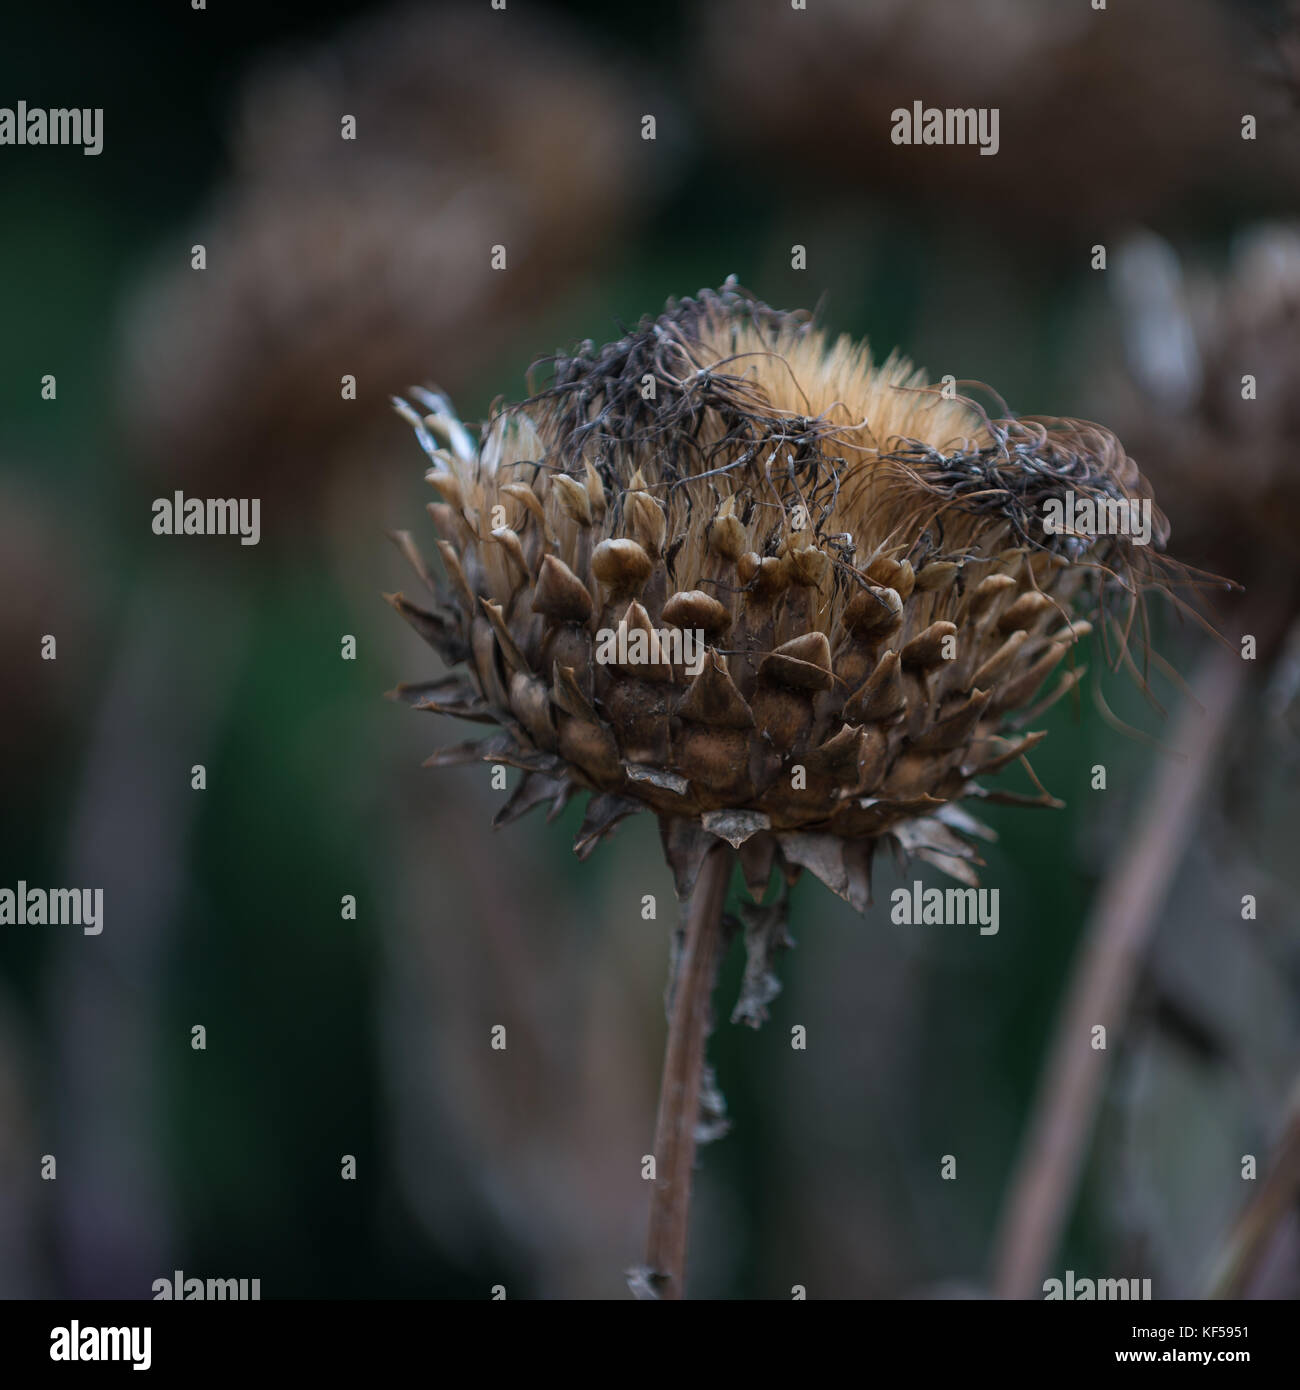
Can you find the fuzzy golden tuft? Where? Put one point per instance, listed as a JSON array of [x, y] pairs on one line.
[[861, 557]]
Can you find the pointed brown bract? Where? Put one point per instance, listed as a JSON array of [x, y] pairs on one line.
[[863, 559]]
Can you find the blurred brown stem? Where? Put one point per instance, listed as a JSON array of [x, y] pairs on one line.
[[1258, 1224], [679, 1093], [1115, 943]]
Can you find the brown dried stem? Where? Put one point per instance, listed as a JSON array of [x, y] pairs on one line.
[[1258, 1224], [1115, 943], [679, 1094]]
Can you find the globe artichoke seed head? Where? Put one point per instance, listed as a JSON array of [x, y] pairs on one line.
[[860, 557]]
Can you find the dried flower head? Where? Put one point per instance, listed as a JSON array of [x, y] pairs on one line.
[[863, 559]]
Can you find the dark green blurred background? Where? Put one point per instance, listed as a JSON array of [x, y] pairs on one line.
[[329, 1037]]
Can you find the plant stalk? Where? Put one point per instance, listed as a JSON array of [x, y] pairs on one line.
[[1114, 947], [689, 1024], [1257, 1226]]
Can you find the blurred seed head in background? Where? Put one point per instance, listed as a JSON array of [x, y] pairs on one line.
[[1092, 121], [329, 256]]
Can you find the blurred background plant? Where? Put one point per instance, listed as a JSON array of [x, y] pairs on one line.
[[328, 1037]]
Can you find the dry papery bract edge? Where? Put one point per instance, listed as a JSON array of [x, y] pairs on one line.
[[864, 554]]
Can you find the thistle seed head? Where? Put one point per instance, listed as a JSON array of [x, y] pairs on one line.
[[860, 557]]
